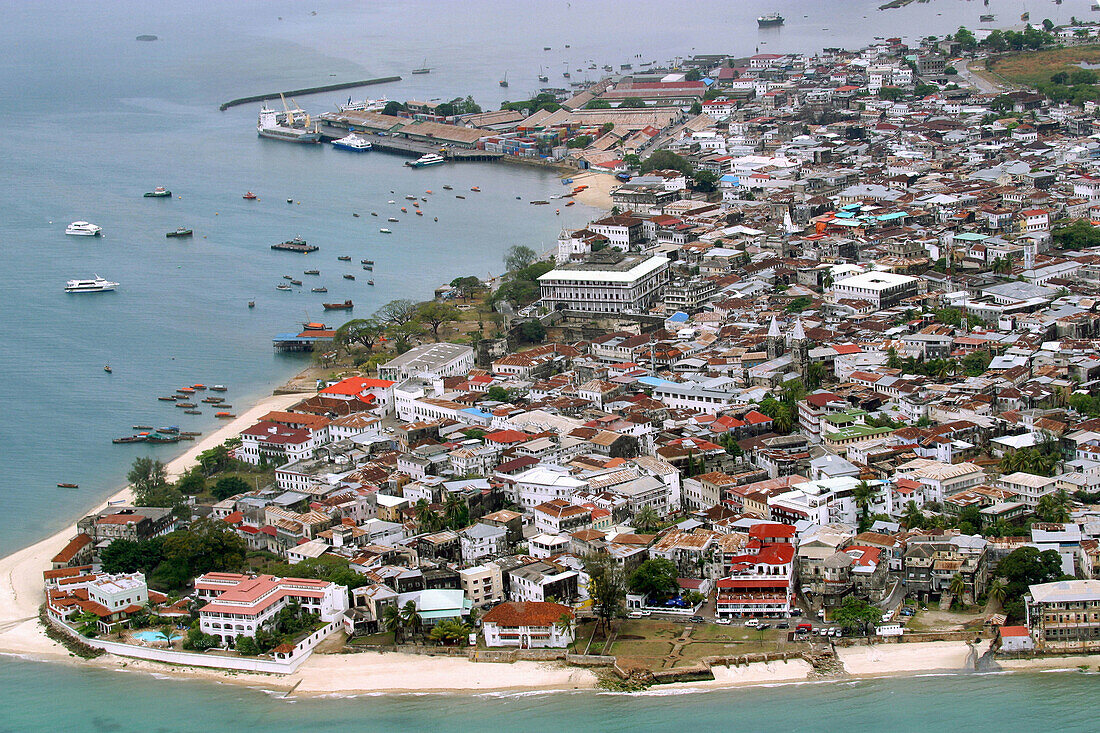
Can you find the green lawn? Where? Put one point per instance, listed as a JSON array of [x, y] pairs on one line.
[[1032, 67], [384, 638]]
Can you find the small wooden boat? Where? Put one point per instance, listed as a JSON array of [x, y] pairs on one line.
[[570, 203], [318, 290], [346, 305], [311, 272], [290, 201], [190, 434], [459, 196], [251, 304], [540, 203], [188, 405], [374, 213], [107, 368], [169, 429], [383, 230], [370, 282], [403, 211], [344, 258], [224, 415], [349, 277], [435, 218], [355, 215], [162, 438], [368, 267], [410, 198], [186, 437], [295, 282], [142, 427], [186, 390], [192, 412], [130, 439], [475, 189], [198, 386], [213, 400], [219, 388], [419, 212], [393, 218], [173, 398], [367, 262], [288, 277], [250, 196], [224, 406], [447, 188], [68, 486], [180, 232], [416, 204], [284, 286]]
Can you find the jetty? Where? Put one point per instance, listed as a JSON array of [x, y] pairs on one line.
[[411, 148], [308, 90]]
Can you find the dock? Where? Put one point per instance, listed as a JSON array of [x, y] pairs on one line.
[[407, 147], [308, 90], [304, 340]]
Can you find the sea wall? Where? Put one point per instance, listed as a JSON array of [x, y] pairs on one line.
[[302, 650]]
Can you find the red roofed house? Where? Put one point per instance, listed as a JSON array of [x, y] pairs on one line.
[[239, 605], [761, 580], [1016, 639], [527, 625], [375, 391], [277, 443]]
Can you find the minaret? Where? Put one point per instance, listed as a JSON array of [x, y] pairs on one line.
[[776, 346]]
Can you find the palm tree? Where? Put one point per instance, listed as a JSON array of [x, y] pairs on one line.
[[782, 418], [997, 589], [864, 495], [452, 510], [957, 586], [815, 374], [647, 519], [564, 625], [392, 621], [913, 517], [410, 617]]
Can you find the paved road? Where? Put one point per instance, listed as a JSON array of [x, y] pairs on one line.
[[983, 85]]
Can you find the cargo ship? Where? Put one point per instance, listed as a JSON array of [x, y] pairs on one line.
[[771, 19], [293, 126]]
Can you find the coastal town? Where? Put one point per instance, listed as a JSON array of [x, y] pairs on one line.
[[816, 395]]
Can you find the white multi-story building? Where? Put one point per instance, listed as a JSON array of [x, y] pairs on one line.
[[882, 289], [545, 483], [482, 584], [528, 625], [610, 283], [432, 360]]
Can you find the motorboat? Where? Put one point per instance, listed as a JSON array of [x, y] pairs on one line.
[[160, 192], [180, 232], [83, 229], [95, 285], [427, 160], [352, 142]]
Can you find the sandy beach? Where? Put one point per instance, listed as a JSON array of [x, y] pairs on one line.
[[598, 193], [21, 572], [892, 659], [792, 670]]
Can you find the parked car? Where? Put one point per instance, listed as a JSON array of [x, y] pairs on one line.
[[752, 623], [697, 619], [782, 625], [634, 614], [796, 611], [724, 620], [761, 627]]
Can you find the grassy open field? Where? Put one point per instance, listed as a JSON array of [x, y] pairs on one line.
[[1033, 67]]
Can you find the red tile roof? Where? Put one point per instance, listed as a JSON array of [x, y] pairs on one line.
[[529, 613]]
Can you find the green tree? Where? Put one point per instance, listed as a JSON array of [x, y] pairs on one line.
[[693, 75], [696, 108], [435, 314], [606, 588], [856, 615], [396, 312], [129, 556], [957, 586], [892, 94], [864, 495], [192, 482], [1053, 507], [976, 362], [229, 486], [564, 626], [966, 39], [401, 335], [466, 286], [392, 622], [496, 393], [632, 103], [207, 545], [705, 181], [996, 589], [892, 360], [1079, 234], [924, 90], [532, 331], [246, 646], [655, 578], [666, 160], [647, 519], [410, 618], [815, 374], [598, 104], [519, 257], [449, 631], [912, 517], [146, 476], [364, 332], [214, 459], [393, 108]]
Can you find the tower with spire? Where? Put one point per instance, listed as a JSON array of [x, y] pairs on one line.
[[775, 342], [800, 346]]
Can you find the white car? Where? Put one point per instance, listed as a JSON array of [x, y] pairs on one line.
[[752, 623], [723, 621]]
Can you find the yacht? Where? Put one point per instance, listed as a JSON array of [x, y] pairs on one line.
[[366, 105], [426, 160], [83, 229], [352, 142], [98, 285]]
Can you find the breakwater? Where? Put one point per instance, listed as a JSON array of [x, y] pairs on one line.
[[308, 90]]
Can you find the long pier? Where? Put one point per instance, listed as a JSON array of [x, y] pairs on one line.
[[308, 90]]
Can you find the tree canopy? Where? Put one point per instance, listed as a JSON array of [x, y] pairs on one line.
[[856, 615], [666, 160], [518, 257], [606, 587], [435, 314], [1078, 235], [655, 578], [397, 312], [360, 331]]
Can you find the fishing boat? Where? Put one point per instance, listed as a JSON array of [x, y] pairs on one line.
[[447, 188], [424, 68], [570, 203], [426, 160], [374, 213], [249, 196], [83, 229], [180, 232], [346, 305], [770, 19], [190, 434], [169, 429], [476, 189], [366, 262], [344, 258], [192, 412], [383, 230], [219, 388], [187, 437], [295, 282], [349, 277], [186, 390], [318, 290], [1025, 16], [459, 196], [290, 201], [370, 282], [282, 286], [410, 198], [142, 427], [213, 400], [540, 203], [251, 304], [393, 219], [224, 415], [296, 245], [353, 143], [186, 405], [160, 192], [173, 398], [156, 438], [404, 210], [504, 82], [543, 77], [987, 18], [368, 267], [198, 386], [130, 439], [107, 368], [311, 272], [68, 486]]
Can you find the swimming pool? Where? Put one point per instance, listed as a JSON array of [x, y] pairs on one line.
[[154, 636]]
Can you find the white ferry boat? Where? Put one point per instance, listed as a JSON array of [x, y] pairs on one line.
[[426, 160], [83, 229], [365, 105], [352, 142], [97, 285]]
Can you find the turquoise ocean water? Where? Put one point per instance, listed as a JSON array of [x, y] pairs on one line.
[[93, 118]]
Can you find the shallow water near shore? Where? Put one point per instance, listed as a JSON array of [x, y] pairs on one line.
[[976, 702]]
